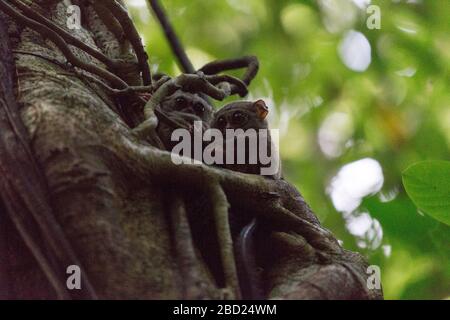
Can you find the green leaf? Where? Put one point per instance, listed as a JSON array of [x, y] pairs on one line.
[[428, 185]]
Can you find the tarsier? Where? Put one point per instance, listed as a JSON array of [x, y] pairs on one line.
[[246, 115], [181, 109], [177, 103], [164, 114]]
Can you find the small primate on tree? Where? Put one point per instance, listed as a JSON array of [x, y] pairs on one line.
[[172, 108], [145, 112], [247, 121]]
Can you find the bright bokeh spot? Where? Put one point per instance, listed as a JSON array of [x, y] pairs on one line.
[[355, 51], [137, 3], [338, 15], [362, 3], [353, 182], [334, 132], [366, 229]]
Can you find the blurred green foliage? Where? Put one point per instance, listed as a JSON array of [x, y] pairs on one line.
[[396, 111]]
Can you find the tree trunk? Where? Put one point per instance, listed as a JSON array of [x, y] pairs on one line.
[[112, 213]]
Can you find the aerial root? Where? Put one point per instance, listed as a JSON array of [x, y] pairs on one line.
[[221, 218]]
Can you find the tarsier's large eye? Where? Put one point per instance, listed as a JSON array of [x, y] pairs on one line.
[[199, 108], [239, 118], [221, 122], [180, 102]]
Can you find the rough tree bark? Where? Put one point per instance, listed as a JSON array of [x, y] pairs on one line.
[[108, 192]]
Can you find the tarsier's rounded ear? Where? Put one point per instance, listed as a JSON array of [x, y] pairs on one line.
[[261, 109]]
